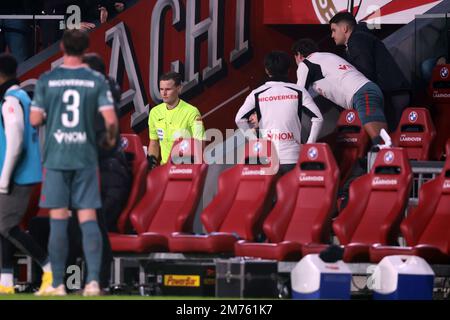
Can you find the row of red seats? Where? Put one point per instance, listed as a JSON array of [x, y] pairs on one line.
[[439, 94], [415, 133], [300, 222]]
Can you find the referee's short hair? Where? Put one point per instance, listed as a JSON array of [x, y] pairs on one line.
[[344, 16], [175, 76], [277, 63], [305, 47], [8, 65], [75, 42]]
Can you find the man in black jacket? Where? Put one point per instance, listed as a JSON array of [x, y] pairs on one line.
[[370, 56]]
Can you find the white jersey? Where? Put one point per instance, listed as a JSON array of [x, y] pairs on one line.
[[332, 77], [279, 107]]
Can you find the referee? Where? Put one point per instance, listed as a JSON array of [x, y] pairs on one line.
[[170, 120]]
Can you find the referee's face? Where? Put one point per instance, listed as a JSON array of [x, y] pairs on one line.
[[169, 91]]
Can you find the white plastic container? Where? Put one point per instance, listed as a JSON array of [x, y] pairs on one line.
[[312, 278]]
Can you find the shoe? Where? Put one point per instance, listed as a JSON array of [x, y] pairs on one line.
[[47, 279], [91, 289], [49, 291], [6, 290]]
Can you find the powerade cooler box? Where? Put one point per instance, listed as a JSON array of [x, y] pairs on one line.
[[239, 278], [403, 278], [312, 278]]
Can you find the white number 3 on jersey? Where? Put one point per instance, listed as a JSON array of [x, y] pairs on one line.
[[72, 100]]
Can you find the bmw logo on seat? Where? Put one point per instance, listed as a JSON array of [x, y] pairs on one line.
[[444, 72], [389, 157], [350, 117], [257, 147], [123, 143], [413, 116], [313, 153], [184, 145]]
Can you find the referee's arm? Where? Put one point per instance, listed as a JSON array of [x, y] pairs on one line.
[[154, 148]]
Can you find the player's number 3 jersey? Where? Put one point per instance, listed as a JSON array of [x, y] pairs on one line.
[[71, 98]]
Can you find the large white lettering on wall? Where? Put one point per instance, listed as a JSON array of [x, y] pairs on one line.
[[193, 31], [121, 46]]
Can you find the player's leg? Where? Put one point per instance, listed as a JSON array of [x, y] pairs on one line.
[[373, 129], [55, 196], [13, 207], [86, 199], [369, 104], [58, 246]]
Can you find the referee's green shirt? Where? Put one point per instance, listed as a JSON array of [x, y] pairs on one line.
[[166, 126]]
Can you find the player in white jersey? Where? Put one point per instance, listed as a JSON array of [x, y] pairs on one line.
[[337, 80], [278, 105]]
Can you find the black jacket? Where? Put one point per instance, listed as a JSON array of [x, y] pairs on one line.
[[371, 57], [100, 124]]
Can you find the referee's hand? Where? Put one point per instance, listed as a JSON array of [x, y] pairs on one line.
[[152, 162]]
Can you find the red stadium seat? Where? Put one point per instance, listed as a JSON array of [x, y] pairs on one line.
[[245, 195], [305, 202], [447, 149], [426, 229], [172, 194], [415, 133], [375, 208], [132, 146], [352, 142], [440, 95]]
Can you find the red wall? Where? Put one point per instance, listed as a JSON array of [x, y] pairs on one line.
[[262, 38]]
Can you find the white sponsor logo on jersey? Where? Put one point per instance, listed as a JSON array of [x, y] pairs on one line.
[[377, 181], [70, 137], [446, 184], [71, 83]]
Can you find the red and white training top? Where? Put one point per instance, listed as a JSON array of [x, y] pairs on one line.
[[279, 106], [332, 77]]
